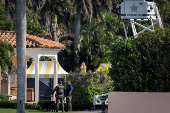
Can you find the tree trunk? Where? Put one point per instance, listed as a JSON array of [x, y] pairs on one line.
[[54, 34], [76, 36], [21, 53], [66, 19], [15, 17], [53, 27], [7, 9]]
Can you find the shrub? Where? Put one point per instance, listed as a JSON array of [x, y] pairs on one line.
[[155, 61], [142, 64], [14, 101], [126, 65], [86, 85], [3, 98], [13, 104], [5, 24], [33, 106], [42, 104], [8, 104], [28, 106], [36, 106]]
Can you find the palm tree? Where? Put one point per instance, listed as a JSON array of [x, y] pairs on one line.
[[100, 7], [49, 11], [76, 35], [21, 53], [6, 63], [94, 40], [7, 9], [88, 6], [35, 4]]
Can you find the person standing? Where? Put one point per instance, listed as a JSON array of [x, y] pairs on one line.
[[69, 90], [59, 95]]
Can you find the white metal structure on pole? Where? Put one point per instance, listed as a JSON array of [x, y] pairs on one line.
[[139, 10], [97, 100]]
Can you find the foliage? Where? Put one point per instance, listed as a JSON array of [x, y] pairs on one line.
[[49, 13], [4, 110], [33, 106], [100, 7], [95, 40], [3, 98], [6, 63], [42, 102], [8, 104], [33, 26], [33, 5], [13, 101], [164, 7], [42, 58], [94, 43], [95, 35], [5, 24], [126, 64], [13, 104], [86, 85], [141, 64], [67, 55], [155, 50], [45, 58]]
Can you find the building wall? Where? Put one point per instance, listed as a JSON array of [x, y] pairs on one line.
[[13, 85], [13, 78], [138, 102]]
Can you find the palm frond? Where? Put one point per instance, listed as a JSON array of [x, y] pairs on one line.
[[87, 4]]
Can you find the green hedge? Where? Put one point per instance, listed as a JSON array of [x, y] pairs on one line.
[[33, 106], [86, 85], [3, 98], [13, 104], [42, 102], [8, 104], [126, 64], [142, 64]]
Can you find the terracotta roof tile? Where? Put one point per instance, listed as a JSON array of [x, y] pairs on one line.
[[31, 41]]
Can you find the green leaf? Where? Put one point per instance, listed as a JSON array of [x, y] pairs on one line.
[[55, 18]]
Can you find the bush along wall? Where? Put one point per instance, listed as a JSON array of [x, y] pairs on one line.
[[13, 105], [3, 98], [8, 104], [142, 64], [86, 85], [40, 106], [45, 105]]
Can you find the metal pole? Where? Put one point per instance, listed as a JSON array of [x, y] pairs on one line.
[[94, 107], [125, 30]]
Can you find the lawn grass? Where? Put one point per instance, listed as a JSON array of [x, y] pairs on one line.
[[5, 110]]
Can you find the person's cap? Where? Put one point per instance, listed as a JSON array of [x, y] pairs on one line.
[[60, 82]]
